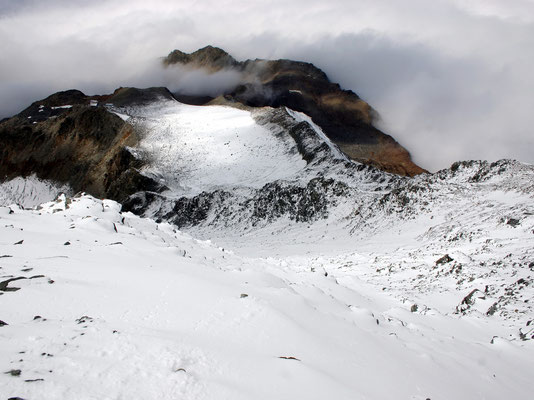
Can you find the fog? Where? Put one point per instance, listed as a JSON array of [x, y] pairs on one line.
[[451, 79]]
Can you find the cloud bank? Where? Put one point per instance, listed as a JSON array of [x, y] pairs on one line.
[[451, 80]]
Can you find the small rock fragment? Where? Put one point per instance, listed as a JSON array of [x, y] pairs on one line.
[[444, 260], [83, 319], [493, 308], [513, 222]]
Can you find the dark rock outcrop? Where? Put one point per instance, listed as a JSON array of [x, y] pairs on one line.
[[345, 118], [82, 145], [279, 199]]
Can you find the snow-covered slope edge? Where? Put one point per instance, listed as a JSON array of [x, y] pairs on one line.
[[30, 191], [114, 306]]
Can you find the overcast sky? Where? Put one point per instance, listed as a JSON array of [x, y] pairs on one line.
[[451, 79]]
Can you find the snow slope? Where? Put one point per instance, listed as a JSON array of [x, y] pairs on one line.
[[480, 215], [192, 149], [113, 306]]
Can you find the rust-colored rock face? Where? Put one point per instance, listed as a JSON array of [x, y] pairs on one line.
[[345, 118]]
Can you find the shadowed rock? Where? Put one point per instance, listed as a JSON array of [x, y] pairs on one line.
[[82, 145]]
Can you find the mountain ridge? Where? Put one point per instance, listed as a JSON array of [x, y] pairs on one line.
[[249, 257], [343, 115]]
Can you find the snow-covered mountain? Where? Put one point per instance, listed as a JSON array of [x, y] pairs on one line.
[[252, 258]]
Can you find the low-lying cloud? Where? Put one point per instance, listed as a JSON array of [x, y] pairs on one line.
[[189, 81], [451, 80]]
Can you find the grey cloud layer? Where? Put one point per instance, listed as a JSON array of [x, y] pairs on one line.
[[451, 79]]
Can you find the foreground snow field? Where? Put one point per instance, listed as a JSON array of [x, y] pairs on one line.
[[100, 304], [296, 274]]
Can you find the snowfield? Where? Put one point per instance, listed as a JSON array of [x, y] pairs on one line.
[[295, 274], [100, 304], [194, 149]]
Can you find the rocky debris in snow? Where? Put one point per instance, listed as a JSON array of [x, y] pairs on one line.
[[468, 301], [493, 308], [193, 321], [273, 201], [84, 319]]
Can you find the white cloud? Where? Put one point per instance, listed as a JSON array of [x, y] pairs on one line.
[[451, 79]]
